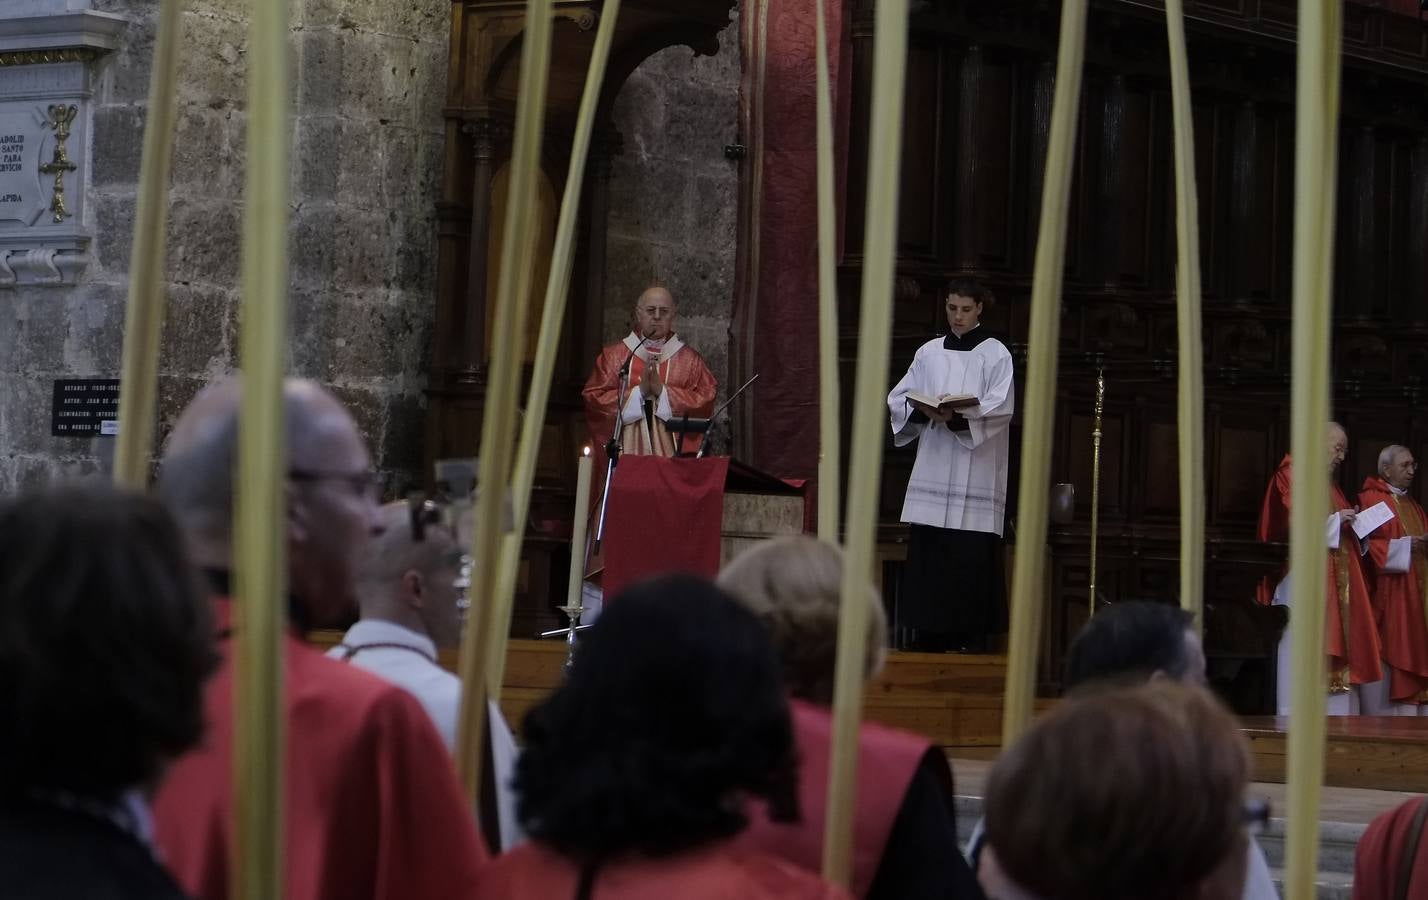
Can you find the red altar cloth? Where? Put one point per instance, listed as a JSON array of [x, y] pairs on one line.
[[664, 515]]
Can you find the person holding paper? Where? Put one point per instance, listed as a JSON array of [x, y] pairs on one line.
[[1397, 548], [1350, 633], [953, 590], [666, 379]]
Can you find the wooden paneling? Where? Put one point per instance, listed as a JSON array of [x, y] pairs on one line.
[[1161, 497], [985, 141], [983, 95], [917, 205], [1081, 453], [1243, 452]]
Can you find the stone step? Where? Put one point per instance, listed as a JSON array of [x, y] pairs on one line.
[[1337, 842], [1330, 885]]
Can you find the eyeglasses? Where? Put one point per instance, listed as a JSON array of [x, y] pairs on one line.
[[1256, 815], [364, 484]]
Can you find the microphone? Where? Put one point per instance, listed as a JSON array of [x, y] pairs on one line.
[[625, 369]]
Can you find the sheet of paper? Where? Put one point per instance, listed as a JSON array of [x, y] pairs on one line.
[[1372, 518]]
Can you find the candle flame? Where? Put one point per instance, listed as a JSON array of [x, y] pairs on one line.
[[585, 451]]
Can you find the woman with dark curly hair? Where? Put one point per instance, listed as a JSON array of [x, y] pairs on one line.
[[636, 770], [106, 639]]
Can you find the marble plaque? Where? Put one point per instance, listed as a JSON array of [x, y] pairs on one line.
[[50, 51], [23, 135]]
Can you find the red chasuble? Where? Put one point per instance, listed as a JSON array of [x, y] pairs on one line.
[[887, 760], [1398, 596], [689, 384], [723, 871], [1350, 632], [374, 808]]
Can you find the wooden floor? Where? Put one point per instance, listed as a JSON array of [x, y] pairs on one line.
[[1381, 752], [956, 701]]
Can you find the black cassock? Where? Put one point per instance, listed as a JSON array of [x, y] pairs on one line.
[[953, 592]]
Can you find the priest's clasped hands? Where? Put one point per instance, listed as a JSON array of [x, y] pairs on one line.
[[650, 382]]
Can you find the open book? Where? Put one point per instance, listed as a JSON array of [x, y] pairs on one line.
[[944, 402]]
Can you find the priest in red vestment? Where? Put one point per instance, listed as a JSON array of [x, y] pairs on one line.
[[373, 809], [1350, 632], [1400, 573], [667, 379]]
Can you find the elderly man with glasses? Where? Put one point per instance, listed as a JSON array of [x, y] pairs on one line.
[[373, 808]]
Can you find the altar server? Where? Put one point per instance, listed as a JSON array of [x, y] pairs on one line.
[[953, 592]]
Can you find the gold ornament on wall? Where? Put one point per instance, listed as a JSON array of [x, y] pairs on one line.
[[61, 118]]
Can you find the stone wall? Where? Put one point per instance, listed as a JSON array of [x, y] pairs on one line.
[[674, 195], [369, 77]]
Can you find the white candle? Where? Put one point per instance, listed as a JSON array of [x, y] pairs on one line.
[[577, 533]]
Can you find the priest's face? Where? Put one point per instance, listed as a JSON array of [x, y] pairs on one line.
[[963, 314], [1338, 447], [1400, 473], [654, 314]]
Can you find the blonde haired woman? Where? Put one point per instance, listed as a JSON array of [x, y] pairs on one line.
[[905, 821]]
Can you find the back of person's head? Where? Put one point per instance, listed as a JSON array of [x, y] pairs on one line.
[[409, 581], [1130, 642], [794, 585], [1131, 793], [330, 490], [106, 637], [673, 709]]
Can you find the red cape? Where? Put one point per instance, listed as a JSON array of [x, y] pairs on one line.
[[1350, 631], [373, 806], [1398, 596], [887, 760], [1380, 856], [723, 871]]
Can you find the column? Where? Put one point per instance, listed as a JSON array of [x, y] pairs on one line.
[[488, 138]]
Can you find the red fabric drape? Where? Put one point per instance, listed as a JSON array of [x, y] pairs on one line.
[[664, 516], [777, 308], [1402, 7], [887, 760], [1379, 857]]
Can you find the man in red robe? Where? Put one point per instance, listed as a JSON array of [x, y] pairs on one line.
[[373, 808], [1397, 548], [1350, 633], [667, 379]]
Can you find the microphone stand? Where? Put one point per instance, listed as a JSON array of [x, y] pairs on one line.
[[616, 444], [704, 441]]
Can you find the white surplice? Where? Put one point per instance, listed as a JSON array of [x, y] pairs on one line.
[[959, 480]]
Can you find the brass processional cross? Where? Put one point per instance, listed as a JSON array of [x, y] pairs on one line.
[[61, 118]]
